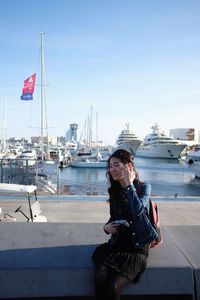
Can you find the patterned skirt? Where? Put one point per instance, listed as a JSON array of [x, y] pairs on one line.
[[130, 264]]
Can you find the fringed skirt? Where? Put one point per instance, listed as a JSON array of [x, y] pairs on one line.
[[130, 264]]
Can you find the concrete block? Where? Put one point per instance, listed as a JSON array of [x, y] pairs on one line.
[[54, 259]]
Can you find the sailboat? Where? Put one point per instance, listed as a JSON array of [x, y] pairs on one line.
[[91, 158]]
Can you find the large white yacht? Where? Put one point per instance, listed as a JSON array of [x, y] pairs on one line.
[[128, 140], [158, 144]]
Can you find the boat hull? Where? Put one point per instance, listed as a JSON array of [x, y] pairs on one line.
[[131, 146], [160, 151], [83, 164], [193, 161], [195, 167]]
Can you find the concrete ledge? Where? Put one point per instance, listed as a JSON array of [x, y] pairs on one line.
[[187, 239], [47, 260]]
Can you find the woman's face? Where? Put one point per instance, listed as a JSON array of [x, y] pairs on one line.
[[115, 168]]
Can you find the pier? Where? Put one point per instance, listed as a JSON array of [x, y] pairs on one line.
[[53, 260]]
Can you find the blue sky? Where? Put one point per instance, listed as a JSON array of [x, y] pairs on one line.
[[135, 62]]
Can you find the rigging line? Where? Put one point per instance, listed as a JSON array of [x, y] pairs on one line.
[[81, 135]]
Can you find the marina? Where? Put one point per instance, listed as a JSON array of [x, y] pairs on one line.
[[168, 177], [72, 92]]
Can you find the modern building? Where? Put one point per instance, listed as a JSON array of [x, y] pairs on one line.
[[71, 134]]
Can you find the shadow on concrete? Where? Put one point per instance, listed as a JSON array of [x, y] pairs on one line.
[[61, 257]]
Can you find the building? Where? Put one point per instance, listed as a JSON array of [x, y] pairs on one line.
[[50, 140], [71, 134], [186, 134]]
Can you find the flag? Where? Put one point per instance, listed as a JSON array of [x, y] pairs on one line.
[[28, 89]]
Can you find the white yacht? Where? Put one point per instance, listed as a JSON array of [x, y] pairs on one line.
[[159, 145], [28, 155], [89, 161], [56, 153], [193, 161], [71, 147], [128, 140]]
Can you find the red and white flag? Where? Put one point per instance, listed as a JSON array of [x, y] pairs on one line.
[[28, 89]]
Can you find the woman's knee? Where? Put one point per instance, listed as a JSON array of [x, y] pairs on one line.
[[116, 285]]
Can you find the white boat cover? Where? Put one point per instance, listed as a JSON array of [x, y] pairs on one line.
[[17, 188]]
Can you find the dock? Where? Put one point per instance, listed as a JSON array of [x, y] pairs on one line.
[[47, 259]]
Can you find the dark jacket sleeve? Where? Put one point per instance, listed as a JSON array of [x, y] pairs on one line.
[[137, 204], [142, 230]]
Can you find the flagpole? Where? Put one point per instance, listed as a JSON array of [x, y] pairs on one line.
[[42, 94]]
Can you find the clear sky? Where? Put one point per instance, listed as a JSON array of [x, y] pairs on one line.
[[133, 61]]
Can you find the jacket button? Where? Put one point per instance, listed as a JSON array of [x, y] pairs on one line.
[[131, 222], [133, 233], [137, 244]]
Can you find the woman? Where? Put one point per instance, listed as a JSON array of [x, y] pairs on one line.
[[124, 257]]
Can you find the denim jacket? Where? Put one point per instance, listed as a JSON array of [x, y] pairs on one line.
[[134, 209]]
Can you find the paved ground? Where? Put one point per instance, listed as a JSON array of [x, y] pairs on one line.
[[175, 212]]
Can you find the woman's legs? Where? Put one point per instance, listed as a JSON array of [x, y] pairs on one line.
[[100, 279], [108, 283], [115, 284]]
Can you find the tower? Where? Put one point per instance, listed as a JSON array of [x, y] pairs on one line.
[[71, 134]]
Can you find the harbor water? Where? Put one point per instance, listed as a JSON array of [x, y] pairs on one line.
[[168, 177]]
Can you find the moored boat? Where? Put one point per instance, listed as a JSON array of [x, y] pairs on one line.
[[193, 161], [159, 145], [89, 161], [128, 140]]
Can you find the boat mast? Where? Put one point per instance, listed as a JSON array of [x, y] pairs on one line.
[[90, 128], [5, 128], [97, 127], [42, 93]]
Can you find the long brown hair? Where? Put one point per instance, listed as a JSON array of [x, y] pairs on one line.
[[125, 157]]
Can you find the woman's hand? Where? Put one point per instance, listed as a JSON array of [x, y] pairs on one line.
[[128, 174], [111, 228]]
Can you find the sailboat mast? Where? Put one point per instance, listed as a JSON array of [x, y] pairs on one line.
[[90, 132], [97, 127], [42, 93], [5, 127]]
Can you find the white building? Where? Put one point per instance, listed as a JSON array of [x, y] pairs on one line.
[[184, 134]]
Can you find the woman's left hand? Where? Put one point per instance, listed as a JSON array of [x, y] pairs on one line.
[[128, 174]]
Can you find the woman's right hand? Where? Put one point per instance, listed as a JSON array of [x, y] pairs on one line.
[[111, 228]]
